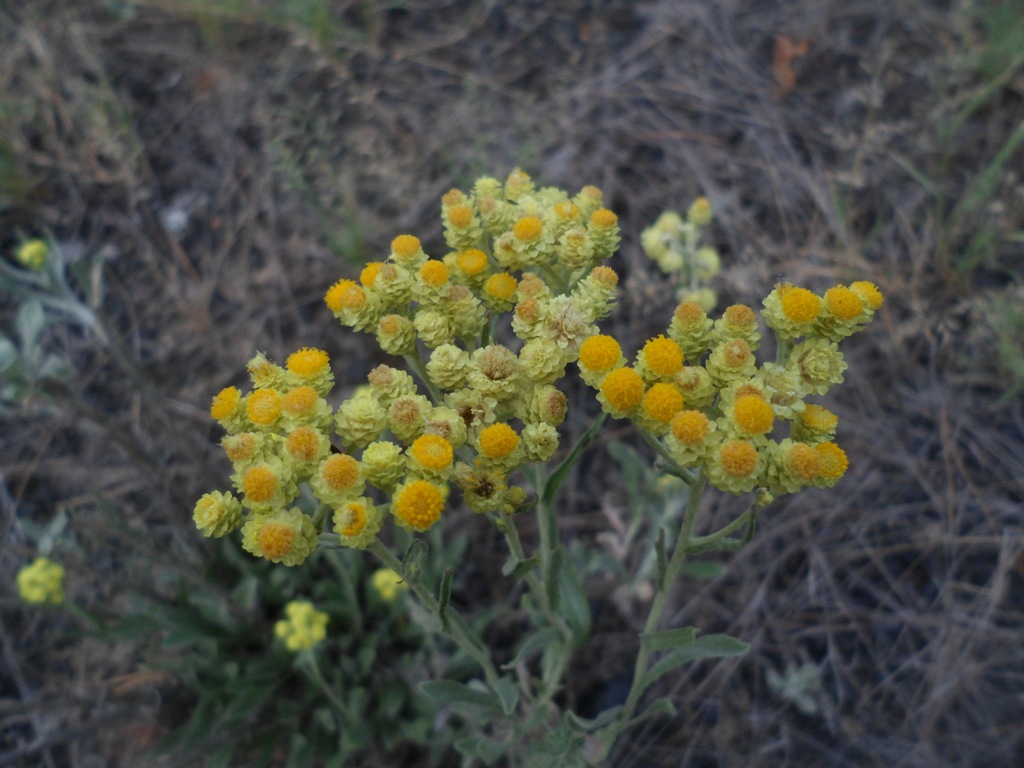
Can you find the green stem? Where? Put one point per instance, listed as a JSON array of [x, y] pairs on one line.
[[783, 346], [701, 543], [675, 565], [458, 629], [418, 367], [308, 663]]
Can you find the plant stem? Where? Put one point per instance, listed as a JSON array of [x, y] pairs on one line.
[[675, 565], [417, 366], [458, 629], [308, 663]]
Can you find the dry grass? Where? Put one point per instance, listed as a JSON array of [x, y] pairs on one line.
[[228, 167]]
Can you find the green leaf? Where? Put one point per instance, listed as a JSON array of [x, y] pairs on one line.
[[508, 692], [444, 596], [452, 692], [519, 568], [707, 647], [660, 707], [31, 322], [557, 477], [569, 597], [414, 559], [540, 639], [592, 724], [8, 353], [486, 750], [669, 639]]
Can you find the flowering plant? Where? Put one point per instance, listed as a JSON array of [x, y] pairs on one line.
[[490, 329]]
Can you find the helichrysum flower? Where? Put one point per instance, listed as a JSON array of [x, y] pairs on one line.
[[360, 420], [431, 282], [734, 466], [431, 457], [500, 292], [689, 437], [542, 361], [228, 410], [783, 390], [791, 311], [730, 361], [476, 409], [448, 366], [284, 536], [497, 445], [815, 424], [41, 582], [621, 392], [266, 486], [387, 384], [792, 465], [417, 505], [495, 372], [567, 323], [337, 479], [467, 314], [462, 227], [472, 266], [751, 416], [575, 249], [433, 327], [540, 442], [595, 293], [32, 254], [266, 374], [263, 407], [304, 448], [706, 264], [545, 404], [352, 306], [217, 514], [696, 385], [483, 488], [387, 584], [245, 448], [691, 330], [396, 335], [818, 363], [527, 318], [842, 313], [382, 464], [700, 212], [588, 200], [447, 423], [357, 522], [311, 367], [302, 406], [599, 355], [407, 252], [603, 229], [738, 322], [407, 416], [303, 626], [871, 298], [832, 464], [660, 403], [659, 360]]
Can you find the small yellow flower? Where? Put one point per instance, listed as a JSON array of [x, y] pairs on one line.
[[753, 415], [345, 295], [263, 407], [868, 293], [382, 464], [690, 427], [498, 441], [599, 354], [843, 303], [434, 273], [306, 445], [500, 291], [308, 362], [387, 584], [405, 248], [357, 523], [41, 582], [815, 424], [225, 404], [621, 391], [260, 484], [460, 216], [734, 466], [833, 464], [337, 479], [417, 505], [32, 254], [369, 273], [217, 514], [799, 305], [432, 455], [243, 447], [303, 626], [700, 212], [283, 536], [660, 358], [661, 402], [602, 218], [471, 262]]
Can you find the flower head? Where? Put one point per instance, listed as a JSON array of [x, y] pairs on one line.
[[417, 505], [32, 254], [621, 392], [284, 536], [431, 456], [217, 514], [263, 407], [387, 584], [41, 582], [357, 522], [303, 626]]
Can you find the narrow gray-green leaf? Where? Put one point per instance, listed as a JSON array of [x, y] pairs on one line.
[[452, 692], [572, 601], [534, 642], [508, 692], [444, 596], [669, 638], [592, 724], [707, 647], [557, 477]]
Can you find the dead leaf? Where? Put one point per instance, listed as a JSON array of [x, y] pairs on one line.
[[782, 61]]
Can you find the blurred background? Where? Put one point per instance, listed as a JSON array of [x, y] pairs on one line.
[[204, 170]]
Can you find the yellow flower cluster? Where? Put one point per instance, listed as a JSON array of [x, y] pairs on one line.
[[698, 388], [673, 243], [41, 582], [303, 626]]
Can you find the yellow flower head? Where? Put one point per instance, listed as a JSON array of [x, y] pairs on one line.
[[622, 390], [434, 273], [345, 294], [734, 466], [417, 505], [662, 357], [369, 273], [303, 626], [502, 288], [738, 457], [460, 216], [700, 212], [32, 254], [498, 441], [260, 484], [432, 452], [799, 305], [843, 303], [307, 362], [471, 261], [868, 293], [263, 407], [404, 247], [566, 210], [602, 218], [815, 424], [357, 522], [600, 353], [527, 228], [752, 415], [690, 427], [217, 514], [690, 313], [387, 584], [803, 461], [662, 402], [242, 447], [41, 582], [225, 403], [340, 473], [282, 536], [833, 464], [299, 402], [304, 444]]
